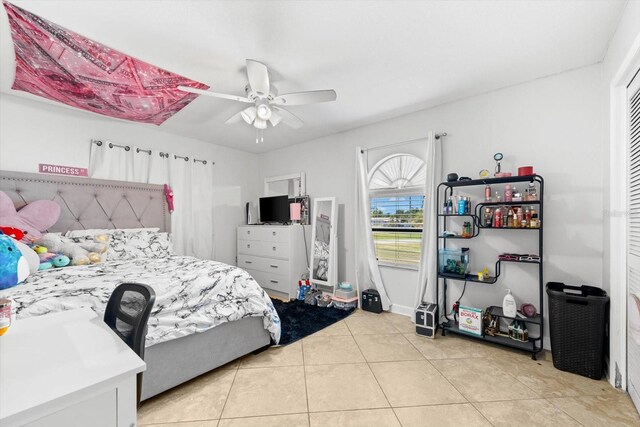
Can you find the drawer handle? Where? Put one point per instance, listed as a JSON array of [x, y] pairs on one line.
[[273, 266], [248, 232], [248, 262], [248, 245], [273, 281], [274, 248], [274, 233]]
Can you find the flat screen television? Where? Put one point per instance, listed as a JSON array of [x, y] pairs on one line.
[[274, 209]]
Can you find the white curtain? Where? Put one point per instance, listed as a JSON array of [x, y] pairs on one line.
[[367, 271], [427, 273], [191, 182]]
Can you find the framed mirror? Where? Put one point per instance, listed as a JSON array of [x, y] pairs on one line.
[[323, 263]]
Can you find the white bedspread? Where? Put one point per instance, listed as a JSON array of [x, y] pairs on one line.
[[192, 295]]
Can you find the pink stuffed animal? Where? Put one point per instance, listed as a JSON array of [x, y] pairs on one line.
[[168, 193], [33, 218]]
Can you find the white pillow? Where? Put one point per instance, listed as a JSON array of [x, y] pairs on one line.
[[98, 231]]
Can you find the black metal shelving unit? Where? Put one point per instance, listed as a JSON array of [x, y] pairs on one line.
[[534, 344]]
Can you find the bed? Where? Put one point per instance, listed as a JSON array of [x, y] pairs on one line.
[[206, 314]]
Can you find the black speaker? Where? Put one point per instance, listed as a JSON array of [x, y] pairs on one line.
[[371, 301]]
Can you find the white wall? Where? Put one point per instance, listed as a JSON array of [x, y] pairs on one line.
[[553, 124], [34, 132], [627, 34]]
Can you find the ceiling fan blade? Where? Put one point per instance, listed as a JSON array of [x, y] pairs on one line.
[[258, 77], [215, 94], [236, 118], [310, 97], [275, 119], [288, 118]]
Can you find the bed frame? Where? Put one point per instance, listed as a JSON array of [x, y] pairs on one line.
[[93, 203]]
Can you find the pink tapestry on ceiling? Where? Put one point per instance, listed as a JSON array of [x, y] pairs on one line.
[[63, 66]]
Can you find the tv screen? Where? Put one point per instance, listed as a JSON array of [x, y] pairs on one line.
[[274, 209]]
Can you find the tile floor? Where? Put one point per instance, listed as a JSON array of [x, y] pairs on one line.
[[373, 370]]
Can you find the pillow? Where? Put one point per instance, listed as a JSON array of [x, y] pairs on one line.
[[126, 245], [98, 231]]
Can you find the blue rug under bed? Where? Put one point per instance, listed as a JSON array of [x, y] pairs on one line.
[[299, 320]]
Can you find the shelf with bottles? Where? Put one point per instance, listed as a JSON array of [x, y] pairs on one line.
[[528, 345], [514, 215], [469, 230], [497, 311]]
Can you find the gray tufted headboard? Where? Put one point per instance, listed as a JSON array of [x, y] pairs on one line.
[[91, 203]]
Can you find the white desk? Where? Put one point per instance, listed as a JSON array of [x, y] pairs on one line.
[[67, 369]]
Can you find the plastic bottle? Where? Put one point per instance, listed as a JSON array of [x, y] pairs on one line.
[[508, 193], [497, 218], [487, 193], [509, 305], [461, 208]]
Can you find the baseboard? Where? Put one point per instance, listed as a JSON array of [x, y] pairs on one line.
[[402, 309]]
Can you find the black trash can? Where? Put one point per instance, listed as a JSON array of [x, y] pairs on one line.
[[578, 325]]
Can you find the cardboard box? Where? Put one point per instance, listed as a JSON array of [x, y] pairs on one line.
[[470, 320]]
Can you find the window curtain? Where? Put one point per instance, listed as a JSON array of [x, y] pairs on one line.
[[191, 182], [427, 273], [367, 271]]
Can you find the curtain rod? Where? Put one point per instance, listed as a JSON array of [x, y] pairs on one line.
[[140, 150], [438, 136]]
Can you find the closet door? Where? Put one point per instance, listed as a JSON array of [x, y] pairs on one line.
[[633, 244]]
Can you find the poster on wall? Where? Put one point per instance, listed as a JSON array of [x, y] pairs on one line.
[[60, 65]]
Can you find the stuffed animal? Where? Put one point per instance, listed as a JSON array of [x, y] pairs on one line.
[[27, 252], [168, 193], [76, 252], [33, 218], [14, 268], [13, 232], [51, 260]]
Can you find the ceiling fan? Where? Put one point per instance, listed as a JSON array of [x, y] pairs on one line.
[[267, 105]]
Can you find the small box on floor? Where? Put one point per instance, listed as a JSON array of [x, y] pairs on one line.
[[470, 320], [427, 319], [371, 301]]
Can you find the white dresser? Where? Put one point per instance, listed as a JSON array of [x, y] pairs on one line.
[[275, 255], [67, 369]]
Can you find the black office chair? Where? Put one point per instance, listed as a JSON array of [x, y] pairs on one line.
[[127, 314]]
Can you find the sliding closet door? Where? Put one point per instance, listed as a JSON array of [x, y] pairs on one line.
[[633, 245]]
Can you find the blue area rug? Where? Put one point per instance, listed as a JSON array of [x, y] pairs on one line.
[[299, 320]]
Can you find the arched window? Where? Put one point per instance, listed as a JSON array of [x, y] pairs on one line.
[[396, 185]]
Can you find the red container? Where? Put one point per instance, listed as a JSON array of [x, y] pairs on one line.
[[525, 170]]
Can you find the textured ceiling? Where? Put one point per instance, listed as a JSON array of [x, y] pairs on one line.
[[384, 58]]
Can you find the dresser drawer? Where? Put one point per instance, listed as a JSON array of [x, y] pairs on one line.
[[263, 249], [267, 265], [250, 233], [249, 247], [276, 282], [275, 234]]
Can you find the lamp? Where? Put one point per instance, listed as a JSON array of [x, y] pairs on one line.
[[260, 123], [294, 211], [249, 115], [264, 112]]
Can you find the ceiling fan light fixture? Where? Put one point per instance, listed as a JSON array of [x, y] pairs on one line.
[[249, 115], [264, 112], [259, 123]]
